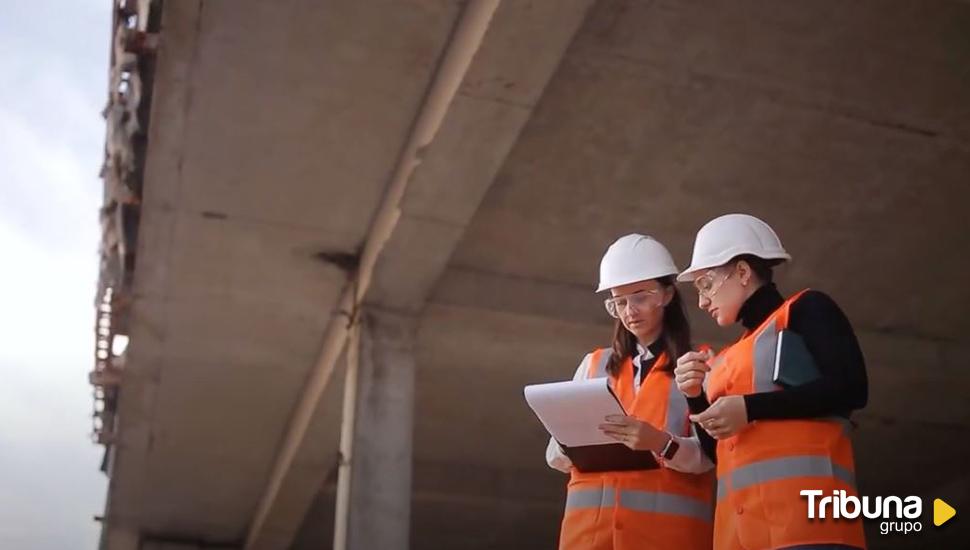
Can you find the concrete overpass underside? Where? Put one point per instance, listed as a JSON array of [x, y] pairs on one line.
[[277, 136]]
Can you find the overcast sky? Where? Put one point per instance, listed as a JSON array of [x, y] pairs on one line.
[[53, 84]]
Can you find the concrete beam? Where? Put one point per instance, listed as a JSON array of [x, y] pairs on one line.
[[423, 217], [137, 394], [465, 40], [496, 100]]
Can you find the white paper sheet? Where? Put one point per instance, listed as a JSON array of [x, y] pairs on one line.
[[572, 411]]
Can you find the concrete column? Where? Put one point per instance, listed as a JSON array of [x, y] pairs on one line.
[[374, 480]]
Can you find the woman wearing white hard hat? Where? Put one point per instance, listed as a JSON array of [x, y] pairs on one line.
[[777, 434], [668, 507]]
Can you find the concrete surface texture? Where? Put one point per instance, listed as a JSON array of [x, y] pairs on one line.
[[275, 129]]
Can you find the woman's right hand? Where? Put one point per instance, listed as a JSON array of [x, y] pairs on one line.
[[691, 369]]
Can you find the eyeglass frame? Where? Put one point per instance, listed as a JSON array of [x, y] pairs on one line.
[[712, 291], [615, 313]]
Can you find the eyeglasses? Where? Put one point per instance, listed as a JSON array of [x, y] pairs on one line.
[[707, 286], [641, 299]]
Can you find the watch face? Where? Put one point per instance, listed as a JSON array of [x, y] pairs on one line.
[[671, 449]]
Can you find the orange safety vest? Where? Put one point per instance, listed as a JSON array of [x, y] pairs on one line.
[[648, 509], [762, 468]]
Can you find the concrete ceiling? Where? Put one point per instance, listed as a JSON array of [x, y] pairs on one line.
[[850, 138], [274, 131]]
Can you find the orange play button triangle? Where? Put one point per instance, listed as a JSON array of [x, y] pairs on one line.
[[942, 512]]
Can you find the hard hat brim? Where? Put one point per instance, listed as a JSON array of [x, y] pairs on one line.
[[694, 269], [630, 280]]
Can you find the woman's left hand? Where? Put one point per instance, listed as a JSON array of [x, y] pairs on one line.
[[634, 433], [724, 418]]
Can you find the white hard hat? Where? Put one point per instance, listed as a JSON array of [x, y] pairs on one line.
[[634, 258], [729, 236]]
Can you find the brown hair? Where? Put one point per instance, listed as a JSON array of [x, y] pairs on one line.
[[675, 334], [761, 267]]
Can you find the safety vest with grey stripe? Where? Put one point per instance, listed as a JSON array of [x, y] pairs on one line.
[[644, 501], [676, 403], [639, 501], [765, 348]]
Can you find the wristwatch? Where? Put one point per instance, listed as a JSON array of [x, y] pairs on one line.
[[670, 449]]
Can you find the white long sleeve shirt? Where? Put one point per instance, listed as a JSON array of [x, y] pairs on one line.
[[689, 458]]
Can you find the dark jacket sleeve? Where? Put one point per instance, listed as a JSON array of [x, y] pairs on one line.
[[697, 405], [843, 385]]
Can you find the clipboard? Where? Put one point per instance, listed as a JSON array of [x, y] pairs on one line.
[[612, 457], [572, 411]]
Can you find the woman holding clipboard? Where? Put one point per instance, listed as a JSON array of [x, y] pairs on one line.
[[669, 505], [773, 439]]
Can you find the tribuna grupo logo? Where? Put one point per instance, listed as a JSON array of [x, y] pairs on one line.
[[899, 515]]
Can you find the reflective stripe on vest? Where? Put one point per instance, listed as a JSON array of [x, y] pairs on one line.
[[640, 501], [666, 503], [676, 411], [776, 469], [765, 346], [721, 488], [590, 498]]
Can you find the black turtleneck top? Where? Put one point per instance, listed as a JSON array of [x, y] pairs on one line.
[[842, 386]]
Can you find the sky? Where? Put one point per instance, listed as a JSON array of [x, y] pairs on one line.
[[53, 85]]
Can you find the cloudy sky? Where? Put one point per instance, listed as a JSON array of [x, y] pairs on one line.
[[53, 83]]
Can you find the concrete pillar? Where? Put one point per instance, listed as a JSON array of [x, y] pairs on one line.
[[374, 480]]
